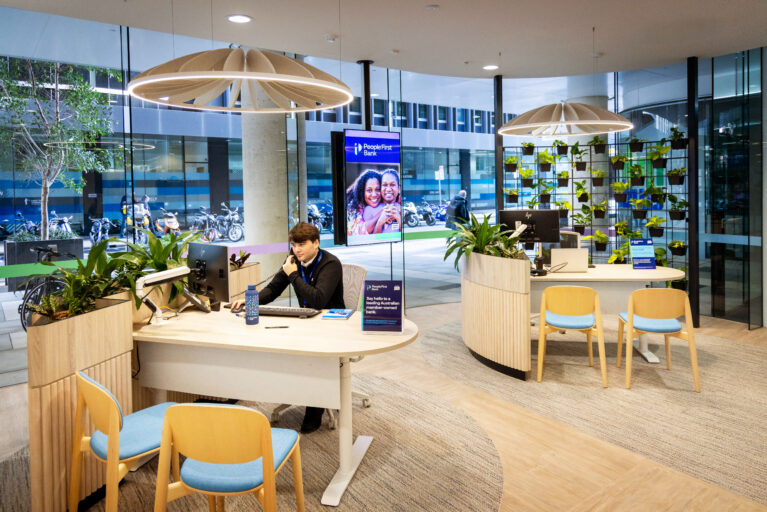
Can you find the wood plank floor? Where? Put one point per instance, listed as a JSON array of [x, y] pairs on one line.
[[547, 466]]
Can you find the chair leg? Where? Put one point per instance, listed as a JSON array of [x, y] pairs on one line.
[[629, 354], [591, 348], [298, 479], [220, 504], [694, 360], [620, 341], [362, 396], [602, 356], [113, 483], [211, 503], [541, 350], [277, 412], [668, 351]]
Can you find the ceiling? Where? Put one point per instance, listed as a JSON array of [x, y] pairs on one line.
[[533, 38]]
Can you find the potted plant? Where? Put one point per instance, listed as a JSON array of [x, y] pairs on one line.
[[623, 231], [481, 238], [600, 240], [546, 190], [655, 226], [678, 209], [545, 159], [512, 195], [599, 209], [677, 248], [658, 154], [527, 177], [528, 148], [657, 194], [564, 208], [680, 284], [532, 203], [580, 220], [598, 177], [581, 192], [598, 143], [636, 145], [577, 154], [635, 172], [619, 189], [561, 146], [510, 164], [676, 176], [618, 162], [562, 178], [620, 255], [640, 207], [661, 258], [678, 140]]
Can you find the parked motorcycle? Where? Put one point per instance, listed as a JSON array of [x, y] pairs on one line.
[[326, 211], [56, 223], [410, 212], [205, 222], [441, 211], [230, 224], [427, 214], [166, 224], [313, 216], [18, 225], [100, 229]]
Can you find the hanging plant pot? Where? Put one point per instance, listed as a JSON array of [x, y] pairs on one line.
[[676, 180], [678, 251], [562, 182], [510, 167], [579, 229], [659, 163], [600, 246], [583, 197], [619, 262], [600, 148], [512, 198], [680, 284], [562, 150], [618, 166], [636, 147], [528, 151], [621, 197], [545, 198], [599, 214], [677, 214], [637, 182], [656, 232], [563, 213], [598, 182], [529, 246], [679, 144], [580, 166], [545, 167], [639, 214], [658, 198], [527, 182]]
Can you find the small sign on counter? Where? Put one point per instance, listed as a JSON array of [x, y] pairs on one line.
[[382, 307], [642, 253]]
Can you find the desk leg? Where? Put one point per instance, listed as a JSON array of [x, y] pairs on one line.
[[640, 345], [350, 453]]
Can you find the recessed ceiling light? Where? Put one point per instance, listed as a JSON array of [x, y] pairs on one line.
[[432, 7], [239, 18], [490, 67]]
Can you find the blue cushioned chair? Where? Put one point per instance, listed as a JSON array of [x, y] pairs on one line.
[[229, 450], [118, 440], [655, 310], [572, 308]]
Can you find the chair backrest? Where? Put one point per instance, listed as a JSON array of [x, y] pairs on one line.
[[219, 434], [100, 401], [660, 303], [354, 280], [569, 300]]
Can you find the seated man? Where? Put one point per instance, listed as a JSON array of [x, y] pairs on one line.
[[317, 281]]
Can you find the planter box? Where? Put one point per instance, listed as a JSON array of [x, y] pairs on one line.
[[659, 163], [563, 214], [510, 167], [579, 229], [527, 182], [679, 144], [580, 166], [637, 182], [583, 197], [677, 214], [678, 251], [24, 252], [598, 182], [600, 148], [676, 180], [545, 167], [98, 343], [636, 147], [656, 232], [600, 247], [618, 166], [562, 150], [528, 151], [239, 279], [562, 182], [545, 198], [639, 214], [599, 214], [512, 198], [621, 197]]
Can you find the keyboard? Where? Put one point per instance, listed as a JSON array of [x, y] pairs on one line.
[[285, 311]]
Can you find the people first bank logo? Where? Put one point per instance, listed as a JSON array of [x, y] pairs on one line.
[[383, 150]]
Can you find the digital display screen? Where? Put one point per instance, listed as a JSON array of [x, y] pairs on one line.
[[373, 197]]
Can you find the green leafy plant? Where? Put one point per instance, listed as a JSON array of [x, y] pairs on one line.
[[658, 194], [583, 218], [678, 171], [483, 238], [619, 158], [600, 207], [676, 244], [236, 263], [635, 170], [676, 134], [659, 150], [580, 188], [619, 254], [563, 175], [558, 142], [511, 160], [526, 173], [661, 257], [623, 231], [528, 145], [547, 187], [563, 205], [655, 222], [596, 140], [620, 187], [544, 157], [640, 204], [677, 204], [598, 237], [635, 140], [532, 203], [576, 152], [511, 191], [597, 173]]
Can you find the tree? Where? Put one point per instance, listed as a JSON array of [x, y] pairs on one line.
[[52, 120]]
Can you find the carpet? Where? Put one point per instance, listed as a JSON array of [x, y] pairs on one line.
[[718, 435], [427, 455]]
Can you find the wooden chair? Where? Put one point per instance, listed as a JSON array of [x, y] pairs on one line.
[[229, 450], [119, 440], [656, 310], [572, 308]]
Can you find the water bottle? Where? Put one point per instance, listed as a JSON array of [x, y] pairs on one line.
[[251, 305]]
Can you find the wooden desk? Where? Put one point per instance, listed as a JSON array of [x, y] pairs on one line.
[[216, 354]]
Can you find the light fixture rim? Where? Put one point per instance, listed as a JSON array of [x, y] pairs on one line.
[[115, 145], [490, 67], [241, 18]]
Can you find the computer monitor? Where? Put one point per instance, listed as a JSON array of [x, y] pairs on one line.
[[569, 240], [542, 225], [209, 266]]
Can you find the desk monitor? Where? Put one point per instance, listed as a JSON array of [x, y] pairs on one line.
[[542, 225], [209, 266]]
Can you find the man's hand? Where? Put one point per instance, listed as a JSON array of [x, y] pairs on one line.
[[289, 267]]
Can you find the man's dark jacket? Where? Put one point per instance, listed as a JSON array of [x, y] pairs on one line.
[[325, 289], [457, 211]]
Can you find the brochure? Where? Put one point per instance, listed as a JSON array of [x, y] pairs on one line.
[[341, 314]]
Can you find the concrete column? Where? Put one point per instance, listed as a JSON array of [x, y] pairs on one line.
[[265, 181]]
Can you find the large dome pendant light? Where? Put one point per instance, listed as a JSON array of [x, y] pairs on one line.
[[193, 81]]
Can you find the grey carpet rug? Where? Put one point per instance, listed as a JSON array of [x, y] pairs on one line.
[[718, 435], [427, 455]]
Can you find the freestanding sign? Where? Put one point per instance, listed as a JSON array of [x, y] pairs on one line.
[[382, 307], [642, 253]]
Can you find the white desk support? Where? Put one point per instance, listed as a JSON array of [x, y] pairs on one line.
[[216, 354]]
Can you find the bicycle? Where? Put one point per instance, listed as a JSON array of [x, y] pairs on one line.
[[39, 287]]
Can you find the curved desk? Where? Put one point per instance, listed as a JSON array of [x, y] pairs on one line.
[[216, 354]]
